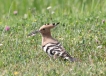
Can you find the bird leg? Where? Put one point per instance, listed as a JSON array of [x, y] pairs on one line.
[[55, 56]]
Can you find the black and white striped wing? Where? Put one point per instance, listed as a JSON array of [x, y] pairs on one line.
[[57, 50], [53, 48]]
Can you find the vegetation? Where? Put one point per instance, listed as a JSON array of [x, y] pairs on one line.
[[82, 31]]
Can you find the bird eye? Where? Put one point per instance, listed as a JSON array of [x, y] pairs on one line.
[[43, 29]]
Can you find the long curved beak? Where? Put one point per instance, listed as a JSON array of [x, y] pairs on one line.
[[33, 33]]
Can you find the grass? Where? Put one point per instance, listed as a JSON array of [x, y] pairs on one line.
[[82, 31]]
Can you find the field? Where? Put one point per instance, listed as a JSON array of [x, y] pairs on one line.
[[82, 32]]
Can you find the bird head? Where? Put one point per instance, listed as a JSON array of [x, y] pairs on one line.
[[45, 29]]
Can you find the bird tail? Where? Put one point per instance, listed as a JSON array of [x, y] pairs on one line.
[[72, 59]]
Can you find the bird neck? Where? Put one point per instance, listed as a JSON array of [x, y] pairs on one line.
[[46, 38]]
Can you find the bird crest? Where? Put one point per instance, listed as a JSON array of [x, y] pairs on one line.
[[45, 29]]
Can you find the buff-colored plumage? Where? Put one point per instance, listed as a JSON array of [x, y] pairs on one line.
[[46, 34]]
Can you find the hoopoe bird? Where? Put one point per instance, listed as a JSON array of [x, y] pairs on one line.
[[50, 45]]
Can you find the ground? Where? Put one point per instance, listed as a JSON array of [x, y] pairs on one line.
[[82, 31]]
